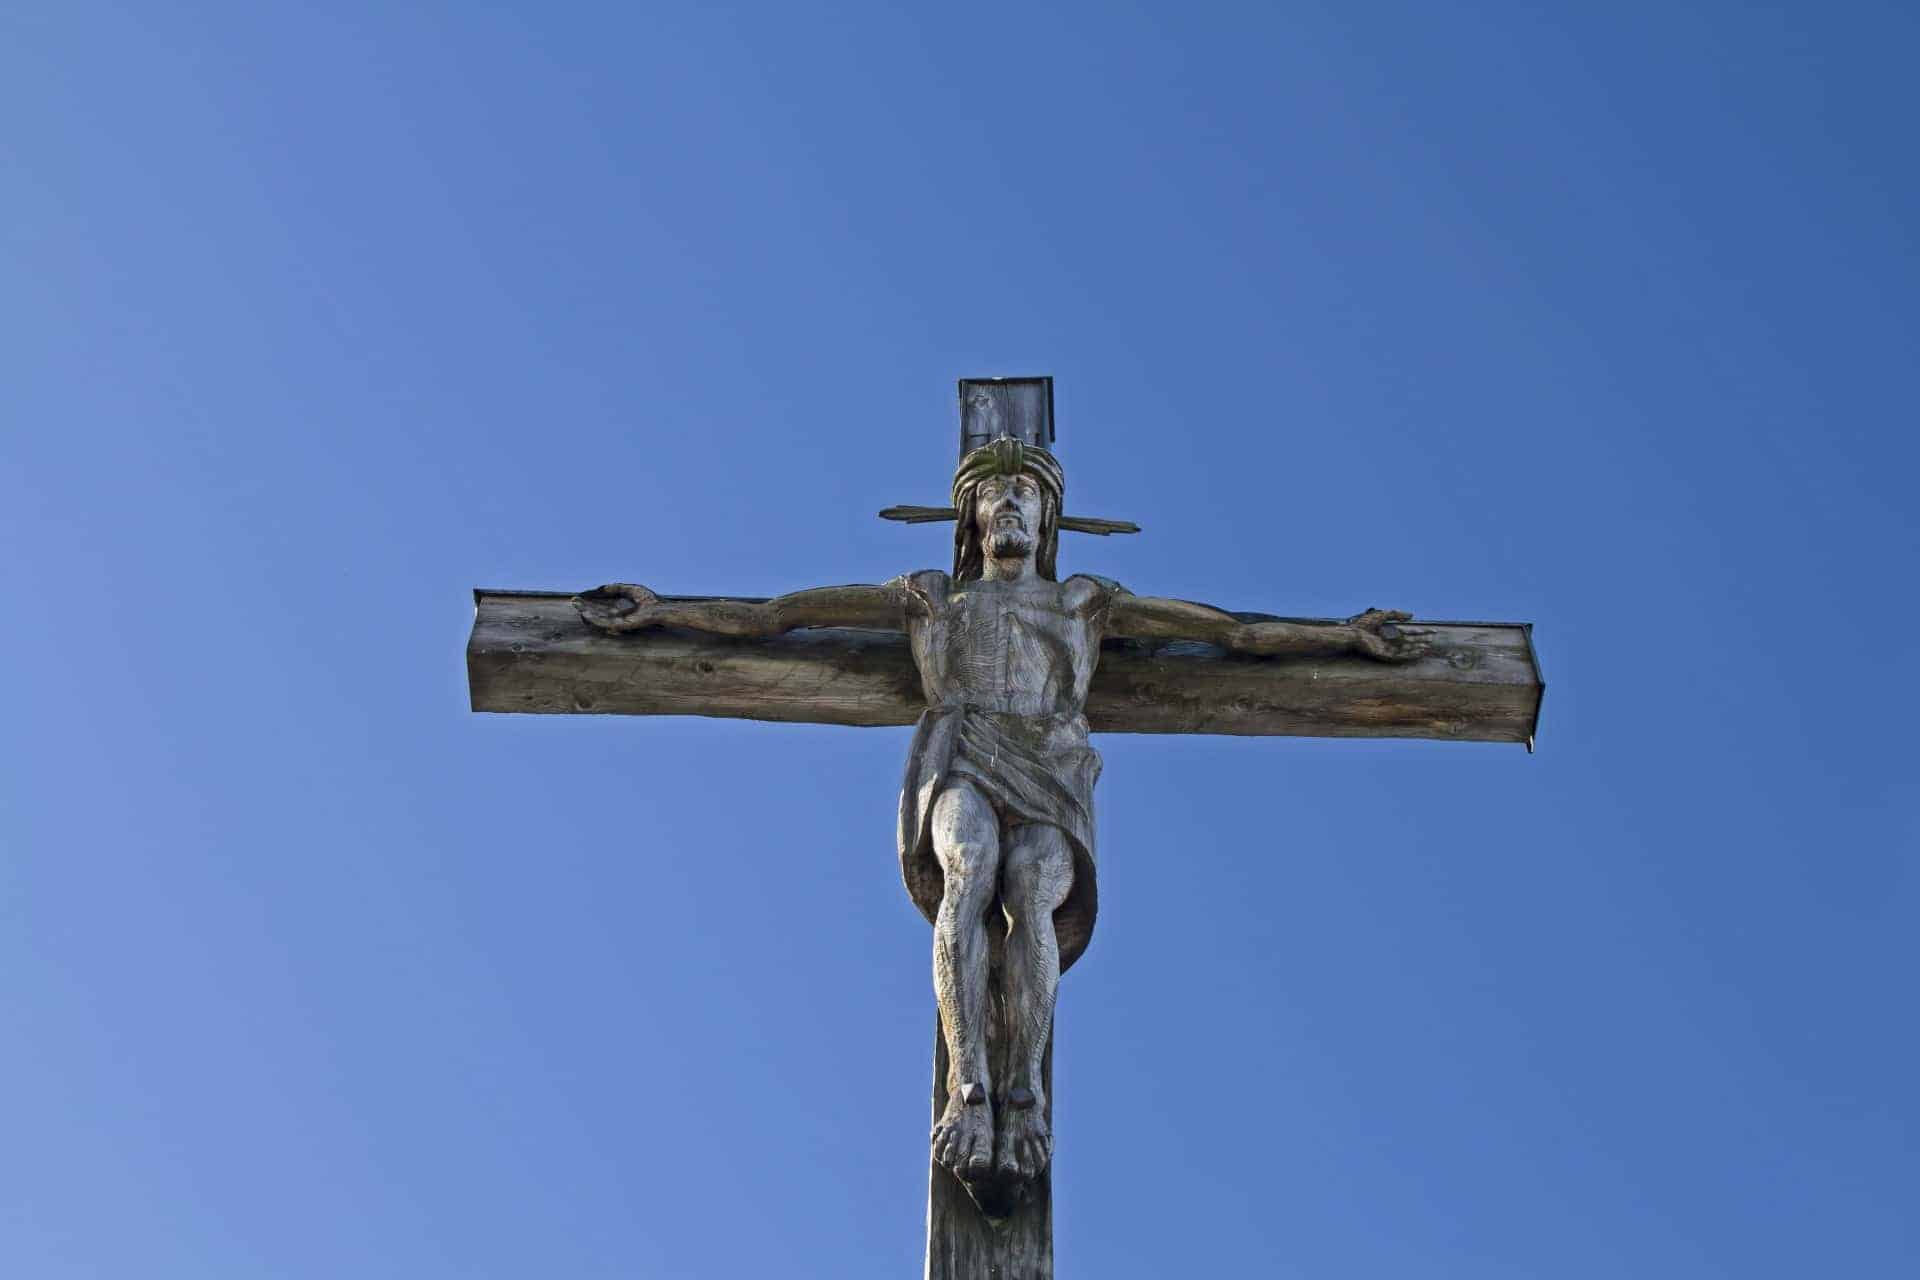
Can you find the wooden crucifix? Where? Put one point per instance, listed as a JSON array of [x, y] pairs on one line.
[[1004, 668]]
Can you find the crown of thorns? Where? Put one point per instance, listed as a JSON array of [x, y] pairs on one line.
[[1007, 456]]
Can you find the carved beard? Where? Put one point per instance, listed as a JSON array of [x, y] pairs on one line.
[[1009, 544]]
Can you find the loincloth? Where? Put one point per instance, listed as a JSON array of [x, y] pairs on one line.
[[1031, 769]]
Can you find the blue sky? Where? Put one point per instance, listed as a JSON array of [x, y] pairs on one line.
[[1601, 317]]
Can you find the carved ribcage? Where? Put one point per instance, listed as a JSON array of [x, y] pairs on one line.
[[1002, 660]]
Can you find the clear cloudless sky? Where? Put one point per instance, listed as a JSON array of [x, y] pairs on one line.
[[316, 316]]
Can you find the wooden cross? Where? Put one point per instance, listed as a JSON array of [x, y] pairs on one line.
[[1160, 667]]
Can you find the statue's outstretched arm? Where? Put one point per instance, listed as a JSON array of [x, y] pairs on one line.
[[1377, 633], [622, 606]]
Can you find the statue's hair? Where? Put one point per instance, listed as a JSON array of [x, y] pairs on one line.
[[1005, 457]]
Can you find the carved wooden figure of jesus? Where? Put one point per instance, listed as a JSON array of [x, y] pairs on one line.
[[996, 814]]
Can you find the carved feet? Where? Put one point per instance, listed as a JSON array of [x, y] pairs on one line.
[[963, 1139], [975, 1142], [1024, 1145]]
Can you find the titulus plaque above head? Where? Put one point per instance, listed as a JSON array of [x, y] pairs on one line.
[[1021, 408], [1007, 408]]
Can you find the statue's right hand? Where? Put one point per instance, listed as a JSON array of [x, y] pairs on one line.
[[618, 606]]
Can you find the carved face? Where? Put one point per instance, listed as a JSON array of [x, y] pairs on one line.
[[1007, 512]]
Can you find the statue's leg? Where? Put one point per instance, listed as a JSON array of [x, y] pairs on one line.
[[966, 840], [1038, 874]]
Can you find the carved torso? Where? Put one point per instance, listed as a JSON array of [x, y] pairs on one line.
[[1026, 647], [1005, 668]]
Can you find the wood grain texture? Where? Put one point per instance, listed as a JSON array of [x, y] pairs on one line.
[[1017, 407], [530, 652], [1012, 1238], [963, 1243]]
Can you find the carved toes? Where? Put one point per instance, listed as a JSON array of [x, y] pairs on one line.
[[963, 1140], [1025, 1145]]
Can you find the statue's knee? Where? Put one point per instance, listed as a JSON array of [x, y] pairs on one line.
[[1040, 878], [969, 869]]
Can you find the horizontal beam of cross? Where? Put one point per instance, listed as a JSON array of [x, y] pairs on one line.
[[531, 653]]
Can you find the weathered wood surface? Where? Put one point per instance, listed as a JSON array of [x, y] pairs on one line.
[[1013, 1238], [531, 653], [963, 1243], [1017, 407]]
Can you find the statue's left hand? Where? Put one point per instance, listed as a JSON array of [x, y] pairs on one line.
[[1377, 634]]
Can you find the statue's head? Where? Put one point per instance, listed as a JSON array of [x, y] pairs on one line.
[[1007, 497]]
